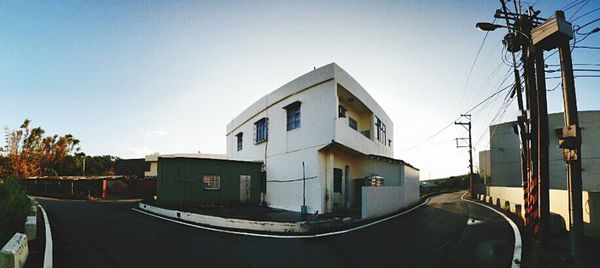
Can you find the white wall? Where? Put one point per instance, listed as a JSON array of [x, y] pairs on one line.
[[383, 200], [559, 204]]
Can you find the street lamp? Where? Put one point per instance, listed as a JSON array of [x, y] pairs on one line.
[[487, 27]]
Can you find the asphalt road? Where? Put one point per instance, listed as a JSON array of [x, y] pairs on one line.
[[110, 234]]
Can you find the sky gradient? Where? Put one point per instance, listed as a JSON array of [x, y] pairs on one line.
[[130, 78]]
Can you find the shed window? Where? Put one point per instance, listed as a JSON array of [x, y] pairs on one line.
[[212, 182], [293, 115], [261, 130], [240, 139]]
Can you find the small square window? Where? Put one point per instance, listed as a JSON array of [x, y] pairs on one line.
[[212, 182]]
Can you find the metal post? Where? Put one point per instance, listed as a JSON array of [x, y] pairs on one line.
[[571, 145], [303, 209], [543, 157]]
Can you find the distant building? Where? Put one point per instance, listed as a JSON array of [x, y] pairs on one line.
[[131, 167], [323, 126], [505, 163]]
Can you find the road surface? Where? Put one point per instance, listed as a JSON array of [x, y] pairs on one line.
[[439, 234]]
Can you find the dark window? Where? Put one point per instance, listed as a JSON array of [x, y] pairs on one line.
[[390, 143], [337, 180], [293, 115], [261, 130], [352, 123], [380, 126], [240, 139], [341, 111], [212, 182]]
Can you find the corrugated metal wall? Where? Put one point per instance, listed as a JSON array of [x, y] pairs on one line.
[[180, 181]]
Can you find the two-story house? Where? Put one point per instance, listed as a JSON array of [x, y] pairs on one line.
[[319, 136]]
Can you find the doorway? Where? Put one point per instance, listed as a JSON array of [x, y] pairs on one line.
[[245, 182]]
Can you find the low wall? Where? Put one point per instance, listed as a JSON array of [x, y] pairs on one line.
[[264, 226], [559, 204], [384, 200], [15, 252]]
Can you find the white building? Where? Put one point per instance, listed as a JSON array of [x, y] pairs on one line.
[[505, 164], [327, 121]]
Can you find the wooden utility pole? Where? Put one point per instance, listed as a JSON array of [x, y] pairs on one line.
[[542, 139], [470, 146]]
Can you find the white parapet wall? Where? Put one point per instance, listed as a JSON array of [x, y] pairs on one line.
[[559, 204], [384, 200], [214, 221], [14, 253], [31, 227]]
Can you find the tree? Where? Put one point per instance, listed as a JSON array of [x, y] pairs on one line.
[[30, 153]]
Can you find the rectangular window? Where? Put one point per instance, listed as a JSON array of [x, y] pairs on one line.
[[352, 123], [240, 139], [337, 180], [293, 115], [380, 134], [261, 130], [212, 182], [341, 111]]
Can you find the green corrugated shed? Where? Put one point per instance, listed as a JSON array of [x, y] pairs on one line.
[[180, 181]]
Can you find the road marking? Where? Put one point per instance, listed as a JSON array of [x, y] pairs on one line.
[[516, 261], [48, 249], [284, 236]]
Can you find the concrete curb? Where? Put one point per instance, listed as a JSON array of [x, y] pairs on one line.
[[299, 236], [15, 252]]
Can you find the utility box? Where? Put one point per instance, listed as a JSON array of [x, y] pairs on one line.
[[552, 32]]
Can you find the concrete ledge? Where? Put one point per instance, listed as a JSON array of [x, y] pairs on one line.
[[214, 221], [14, 253]]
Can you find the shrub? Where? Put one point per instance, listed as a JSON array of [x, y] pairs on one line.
[[14, 207]]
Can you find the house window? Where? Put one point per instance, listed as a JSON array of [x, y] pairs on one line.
[[240, 139], [342, 111], [390, 143], [293, 115], [352, 123], [380, 134], [212, 182], [261, 130]]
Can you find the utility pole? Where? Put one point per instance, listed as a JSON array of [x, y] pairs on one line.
[[543, 154], [556, 33], [470, 146]]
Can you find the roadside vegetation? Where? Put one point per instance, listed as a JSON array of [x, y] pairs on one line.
[[14, 207], [451, 184], [28, 152]]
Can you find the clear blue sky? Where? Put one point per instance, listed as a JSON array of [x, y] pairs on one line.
[[133, 77]]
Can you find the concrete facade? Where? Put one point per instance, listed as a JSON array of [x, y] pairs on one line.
[[341, 125], [505, 163]]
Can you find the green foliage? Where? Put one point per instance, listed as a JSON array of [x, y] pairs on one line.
[[454, 183], [14, 207]]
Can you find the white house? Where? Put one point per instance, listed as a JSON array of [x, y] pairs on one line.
[[505, 166], [327, 121]]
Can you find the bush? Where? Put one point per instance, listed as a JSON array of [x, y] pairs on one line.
[[14, 207]]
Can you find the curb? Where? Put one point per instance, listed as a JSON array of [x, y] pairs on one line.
[[517, 252], [179, 219]]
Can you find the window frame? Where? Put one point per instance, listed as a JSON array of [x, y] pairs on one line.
[[293, 115], [350, 123], [261, 127], [206, 184], [240, 141]]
